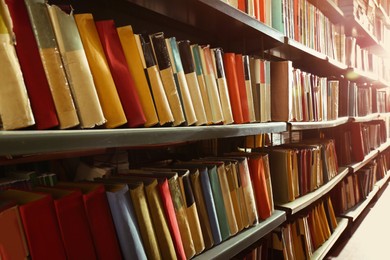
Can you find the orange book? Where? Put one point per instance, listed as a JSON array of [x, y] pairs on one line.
[[234, 93], [241, 4], [242, 87]]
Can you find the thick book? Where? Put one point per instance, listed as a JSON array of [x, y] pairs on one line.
[[163, 109], [124, 81], [222, 86], [105, 85], [38, 88], [195, 51], [234, 90], [12, 238], [134, 62], [161, 53], [192, 81], [181, 81], [72, 221], [52, 64], [15, 107], [125, 221], [211, 83], [99, 218], [39, 223], [77, 68], [281, 91]]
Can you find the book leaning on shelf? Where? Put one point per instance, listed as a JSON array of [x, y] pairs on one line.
[[15, 107]]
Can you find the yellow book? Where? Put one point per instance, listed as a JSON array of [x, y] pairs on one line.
[[52, 64], [134, 61], [144, 218], [105, 86], [77, 68], [15, 109]]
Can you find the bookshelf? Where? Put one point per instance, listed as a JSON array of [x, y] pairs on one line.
[[235, 31]]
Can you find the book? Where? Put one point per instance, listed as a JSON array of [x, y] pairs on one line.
[[125, 220], [256, 73], [195, 51], [278, 15], [130, 49], [248, 87], [77, 69], [222, 86], [15, 107], [165, 67], [27, 51], [124, 81], [164, 112], [242, 88], [281, 91], [181, 81], [44, 240], [211, 84], [105, 85], [99, 218], [72, 221], [192, 81], [52, 64], [12, 238], [234, 91]]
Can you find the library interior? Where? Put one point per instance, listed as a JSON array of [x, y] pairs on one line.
[[194, 129]]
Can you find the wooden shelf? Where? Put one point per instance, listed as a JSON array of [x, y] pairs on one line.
[[244, 239], [321, 252], [45, 141], [367, 118], [306, 200], [297, 126]]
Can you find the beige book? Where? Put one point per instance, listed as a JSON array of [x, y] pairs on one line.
[[161, 53], [77, 68], [211, 84], [15, 109], [181, 80], [52, 64], [195, 50], [248, 87], [164, 112]]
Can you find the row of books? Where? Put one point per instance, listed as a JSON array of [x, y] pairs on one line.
[[300, 238], [299, 168], [356, 187], [94, 73], [363, 59], [302, 96], [355, 140], [154, 213]]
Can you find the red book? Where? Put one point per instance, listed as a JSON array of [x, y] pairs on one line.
[[72, 221], [256, 170], [232, 82], [171, 219], [124, 81], [262, 10], [357, 149], [39, 222], [99, 219], [38, 89], [257, 9], [241, 4], [242, 87]]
